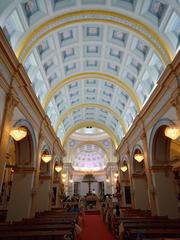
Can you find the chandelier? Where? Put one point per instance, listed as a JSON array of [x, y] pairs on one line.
[[172, 132], [64, 175], [124, 167], [46, 157], [18, 133], [116, 175], [58, 168], [107, 180], [139, 157]]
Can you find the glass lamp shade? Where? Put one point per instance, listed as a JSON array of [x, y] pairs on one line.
[[172, 132], [107, 180], [139, 157], [71, 181], [63, 180], [58, 168], [46, 158], [124, 168], [116, 175], [115, 179], [64, 175], [18, 133]]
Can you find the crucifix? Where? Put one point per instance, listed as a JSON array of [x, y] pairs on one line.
[[89, 178]]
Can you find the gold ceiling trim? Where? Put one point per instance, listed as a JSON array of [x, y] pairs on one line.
[[61, 18], [98, 144], [93, 75], [93, 124], [93, 105]]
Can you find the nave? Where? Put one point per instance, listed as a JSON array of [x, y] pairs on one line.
[[89, 119], [104, 223]]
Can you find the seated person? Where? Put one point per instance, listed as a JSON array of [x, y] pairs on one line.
[[75, 208]]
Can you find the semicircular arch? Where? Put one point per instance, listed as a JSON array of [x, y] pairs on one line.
[[85, 105], [118, 19], [93, 75], [93, 124]]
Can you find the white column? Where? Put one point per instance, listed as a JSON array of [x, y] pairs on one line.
[[44, 193], [165, 193], [21, 195], [140, 192]]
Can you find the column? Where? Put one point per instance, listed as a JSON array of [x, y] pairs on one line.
[[152, 202], [165, 193], [130, 178], [44, 193], [11, 103], [140, 191], [21, 194], [34, 206]]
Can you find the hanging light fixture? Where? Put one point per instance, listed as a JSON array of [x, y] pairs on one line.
[[172, 132], [18, 133], [58, 168], [64, 175], [63, 180], [115, 179], [46, 157], [138, 156], [71, 181], [116, 175], [107, 180], [124, 167]]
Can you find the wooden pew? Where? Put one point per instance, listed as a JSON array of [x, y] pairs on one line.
[[35, 234], [45, 226], [154, 233]]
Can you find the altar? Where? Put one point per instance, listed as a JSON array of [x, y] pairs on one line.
[[91, 201]]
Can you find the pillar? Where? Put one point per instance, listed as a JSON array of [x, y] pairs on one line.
[[34, 205], [10, 104], [140, 192], [130, 177], [44, 193], [164, 190], [21, 194], [152, 202]]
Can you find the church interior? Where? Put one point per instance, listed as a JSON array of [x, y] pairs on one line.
[[89, 119]]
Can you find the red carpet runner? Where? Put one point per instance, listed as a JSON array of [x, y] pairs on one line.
[[95, 229]]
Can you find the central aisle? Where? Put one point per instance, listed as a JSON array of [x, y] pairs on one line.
[[95, 229]]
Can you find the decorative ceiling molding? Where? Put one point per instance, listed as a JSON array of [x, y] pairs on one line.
[[93, 75], [103, 16], [86, 105], [99, 144], [93, 124]]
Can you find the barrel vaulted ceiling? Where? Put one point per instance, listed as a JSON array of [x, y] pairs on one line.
[[92, 62]]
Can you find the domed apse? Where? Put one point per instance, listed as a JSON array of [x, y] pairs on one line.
[[89, 157]]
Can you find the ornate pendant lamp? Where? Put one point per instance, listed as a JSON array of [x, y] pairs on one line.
[[116, 175], [58, 168], [172, 132], [64, 175], [139, 157], [124, 167], [107, 180], [18, 133], [46, 157]]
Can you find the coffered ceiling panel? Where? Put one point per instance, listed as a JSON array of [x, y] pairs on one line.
[[92, 61]]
